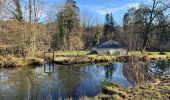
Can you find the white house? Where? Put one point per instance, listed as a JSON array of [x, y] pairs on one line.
[[110, 48]]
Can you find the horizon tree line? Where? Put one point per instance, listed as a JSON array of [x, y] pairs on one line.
[[143, 28]]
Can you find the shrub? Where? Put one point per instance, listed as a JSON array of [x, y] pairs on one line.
[[162, 53], [149, 53]]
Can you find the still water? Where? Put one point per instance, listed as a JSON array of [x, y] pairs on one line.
[[51, 82]]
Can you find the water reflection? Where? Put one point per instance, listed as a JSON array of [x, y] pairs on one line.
[[52, 83], [142, 72], [109, 69], [69, 79], [137, 72], [49, 68], [159, 68], [20, 86]]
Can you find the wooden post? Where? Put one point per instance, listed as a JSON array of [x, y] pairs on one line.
[[50, 63], [51, 59]]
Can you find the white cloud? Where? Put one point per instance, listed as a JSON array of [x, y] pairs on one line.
[[116, 9], [103, 9]]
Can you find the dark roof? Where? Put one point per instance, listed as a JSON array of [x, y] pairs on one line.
[[110, 44]]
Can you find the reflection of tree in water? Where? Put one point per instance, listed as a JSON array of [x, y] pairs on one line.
[[109, 71], [137, 72], [49, 84], [28, 85], [24, 83], [159, 68], [69, 76]]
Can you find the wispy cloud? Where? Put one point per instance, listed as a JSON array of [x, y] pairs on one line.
[[103, 9]]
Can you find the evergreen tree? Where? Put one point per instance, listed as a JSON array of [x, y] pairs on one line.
[[109, 27], [112, 24], [125, 21], [69, 22], [62, 28], [72, 16], [72, 3], [106, 26]]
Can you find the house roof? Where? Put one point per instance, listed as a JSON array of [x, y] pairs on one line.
[[110, 44]]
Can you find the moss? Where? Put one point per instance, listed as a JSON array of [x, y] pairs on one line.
[[116, 97], [110, 90], [114, 89], [141, 92], [102, 97], [167, 88], [142, 87]]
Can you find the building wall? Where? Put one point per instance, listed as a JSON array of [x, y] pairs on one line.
[[112, 51]]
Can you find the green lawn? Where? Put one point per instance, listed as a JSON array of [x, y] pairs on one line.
[[82, 53], [72, 53], [146, 53]]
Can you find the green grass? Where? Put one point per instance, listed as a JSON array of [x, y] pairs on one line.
[[84, 57], [83, 53], [146, 53], [79, 57], [167, 88], [71, 53], [130, 53]]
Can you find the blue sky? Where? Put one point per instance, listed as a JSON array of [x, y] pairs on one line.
[[98, 8]]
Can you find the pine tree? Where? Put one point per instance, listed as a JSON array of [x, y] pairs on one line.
[[106, 26], [109, 27], [72, 3], [62, 29], [125, 21], [72, 16], [111, 24], [69, 22]]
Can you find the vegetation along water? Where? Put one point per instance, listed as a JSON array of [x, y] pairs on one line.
[[84, 49]]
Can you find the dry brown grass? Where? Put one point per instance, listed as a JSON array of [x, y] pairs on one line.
[[11, 61]]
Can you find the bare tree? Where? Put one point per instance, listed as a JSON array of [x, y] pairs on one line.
[[36, 8], [87, 22], [158, 7], [17, 12], [30, 11], [12, 10], [2, 3], [146, 23]]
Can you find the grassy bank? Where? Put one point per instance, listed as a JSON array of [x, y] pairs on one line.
[[11, 61], [114, 91], [84, 59], [81, 57]]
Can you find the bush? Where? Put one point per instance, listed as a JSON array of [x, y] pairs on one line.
[[162, 53], [93, 52], [149, 53]]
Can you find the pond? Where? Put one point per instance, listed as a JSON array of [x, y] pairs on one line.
[[54, 82]]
